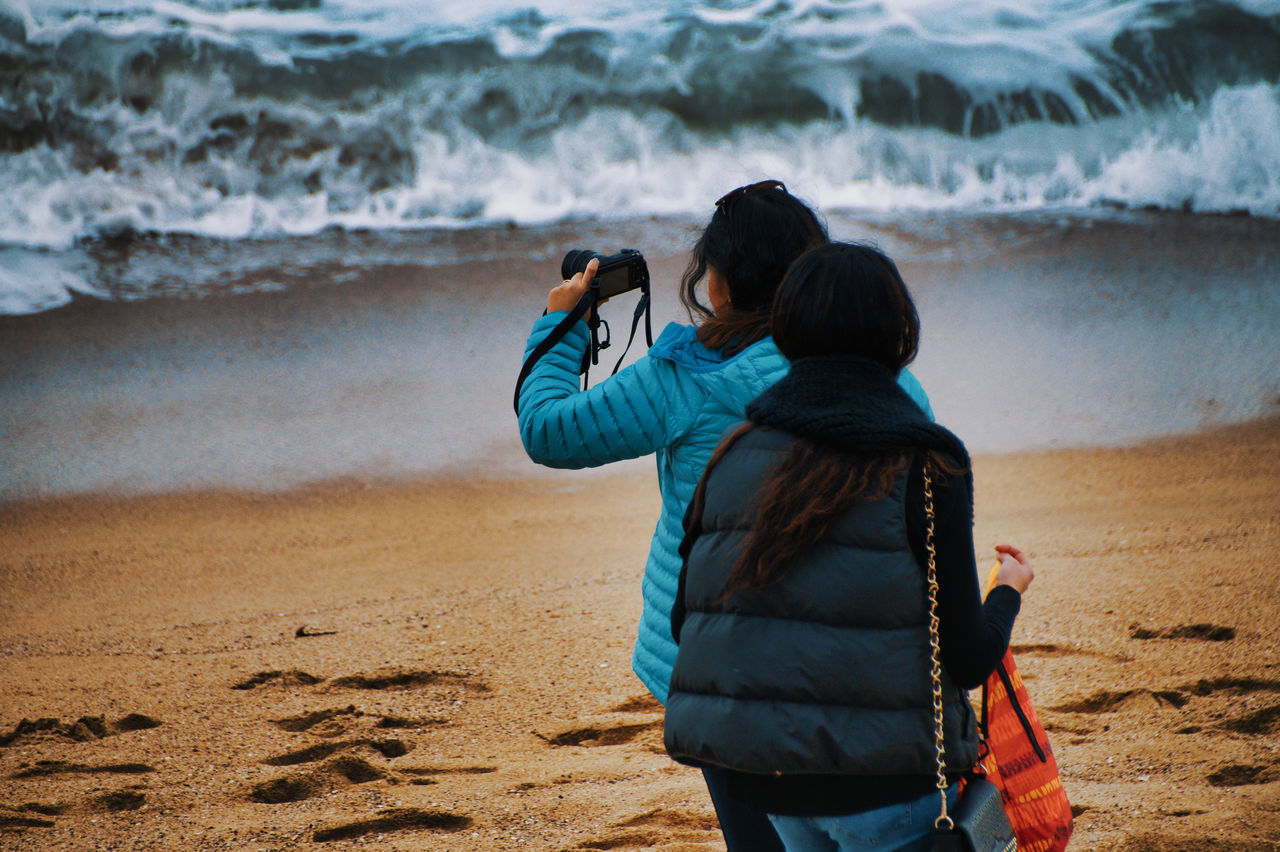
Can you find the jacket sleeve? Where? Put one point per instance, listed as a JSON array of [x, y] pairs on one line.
[[915, 390], [692, 529], [974, 634], [628, 415]]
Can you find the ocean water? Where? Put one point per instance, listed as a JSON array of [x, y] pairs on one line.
[[254, 243], [270, 362], [256, 119]]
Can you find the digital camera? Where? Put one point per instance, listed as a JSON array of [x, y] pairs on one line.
[[617, 273]]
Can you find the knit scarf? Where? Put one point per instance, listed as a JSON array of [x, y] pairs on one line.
[[852, 403]]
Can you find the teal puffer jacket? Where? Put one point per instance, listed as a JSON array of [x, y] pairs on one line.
[[678, 401]]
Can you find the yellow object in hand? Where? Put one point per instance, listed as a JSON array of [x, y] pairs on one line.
[[992, 576]]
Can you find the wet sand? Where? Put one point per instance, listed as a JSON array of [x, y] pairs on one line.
[[444, 663]]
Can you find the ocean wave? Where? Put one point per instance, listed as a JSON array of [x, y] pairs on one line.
[[968, 70], [248, 117]]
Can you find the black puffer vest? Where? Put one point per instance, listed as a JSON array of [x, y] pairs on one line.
[[826, 671]]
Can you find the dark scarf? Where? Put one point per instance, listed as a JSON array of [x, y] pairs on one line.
[[853, 403]]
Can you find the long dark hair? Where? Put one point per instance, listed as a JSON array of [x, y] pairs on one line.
[[838, 299], [751, 240]]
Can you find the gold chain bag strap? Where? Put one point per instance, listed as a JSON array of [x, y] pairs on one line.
[[979, 823]]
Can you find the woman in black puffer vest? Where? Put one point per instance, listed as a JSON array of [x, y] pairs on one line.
[[802, 616]]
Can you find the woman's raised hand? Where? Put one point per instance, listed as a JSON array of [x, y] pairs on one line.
[[564, 297], [1015, 568]]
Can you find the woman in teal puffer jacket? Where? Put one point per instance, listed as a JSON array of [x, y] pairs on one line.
[[679, 400]]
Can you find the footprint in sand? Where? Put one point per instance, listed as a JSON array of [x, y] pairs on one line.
[[35, 815], [659, 828], [1238, 685], [404, 722], [1240, 775], [407, 679], [342, 721], [398, 819], [346, 768], [1105, 701], [18, 819], [352, 768], [1207, 705], [343, 768], [639, 704], [602, 735], [44, 810], [341, 771], [338, 721], [619, 725], [1202, 632], [8, 821], [292, 677], [310, 754], [1264, 721], [44, 768], [122, 800], [84, 729], [381, 680]]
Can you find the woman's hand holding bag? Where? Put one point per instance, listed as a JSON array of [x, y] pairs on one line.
[[1019, 760]]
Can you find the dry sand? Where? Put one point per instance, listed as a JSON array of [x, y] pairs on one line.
[[444, 664]]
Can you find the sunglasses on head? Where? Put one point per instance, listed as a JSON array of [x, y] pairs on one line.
[[733, 195]]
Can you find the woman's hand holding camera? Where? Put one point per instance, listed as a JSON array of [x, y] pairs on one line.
[[564, 297], [1015, 568]]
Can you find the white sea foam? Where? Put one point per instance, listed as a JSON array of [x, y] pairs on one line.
[[1231, 163], [34, 281], [233, 119], [1222, 157]]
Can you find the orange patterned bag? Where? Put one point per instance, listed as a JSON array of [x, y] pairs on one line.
[[1020, 762]]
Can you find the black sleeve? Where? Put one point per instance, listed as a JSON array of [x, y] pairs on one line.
[[974, 635], [692, 528], [677, 608]]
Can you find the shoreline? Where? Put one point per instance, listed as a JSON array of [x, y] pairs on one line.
[[446, 661], [377, 354]]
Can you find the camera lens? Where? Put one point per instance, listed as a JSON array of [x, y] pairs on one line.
[[575, 261]]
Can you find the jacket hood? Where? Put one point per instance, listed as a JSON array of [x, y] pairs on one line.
[[733, 380]]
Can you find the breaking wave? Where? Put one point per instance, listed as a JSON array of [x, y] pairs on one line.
[[237, 119]]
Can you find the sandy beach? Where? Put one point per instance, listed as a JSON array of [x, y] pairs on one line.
[[444, 663], [274, 572]]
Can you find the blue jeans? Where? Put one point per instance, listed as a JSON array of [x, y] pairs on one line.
[[745, 829], [904, 827]]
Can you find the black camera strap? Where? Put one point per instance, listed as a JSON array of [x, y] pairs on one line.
[[591, 356], [557, 334], [642, 308]]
